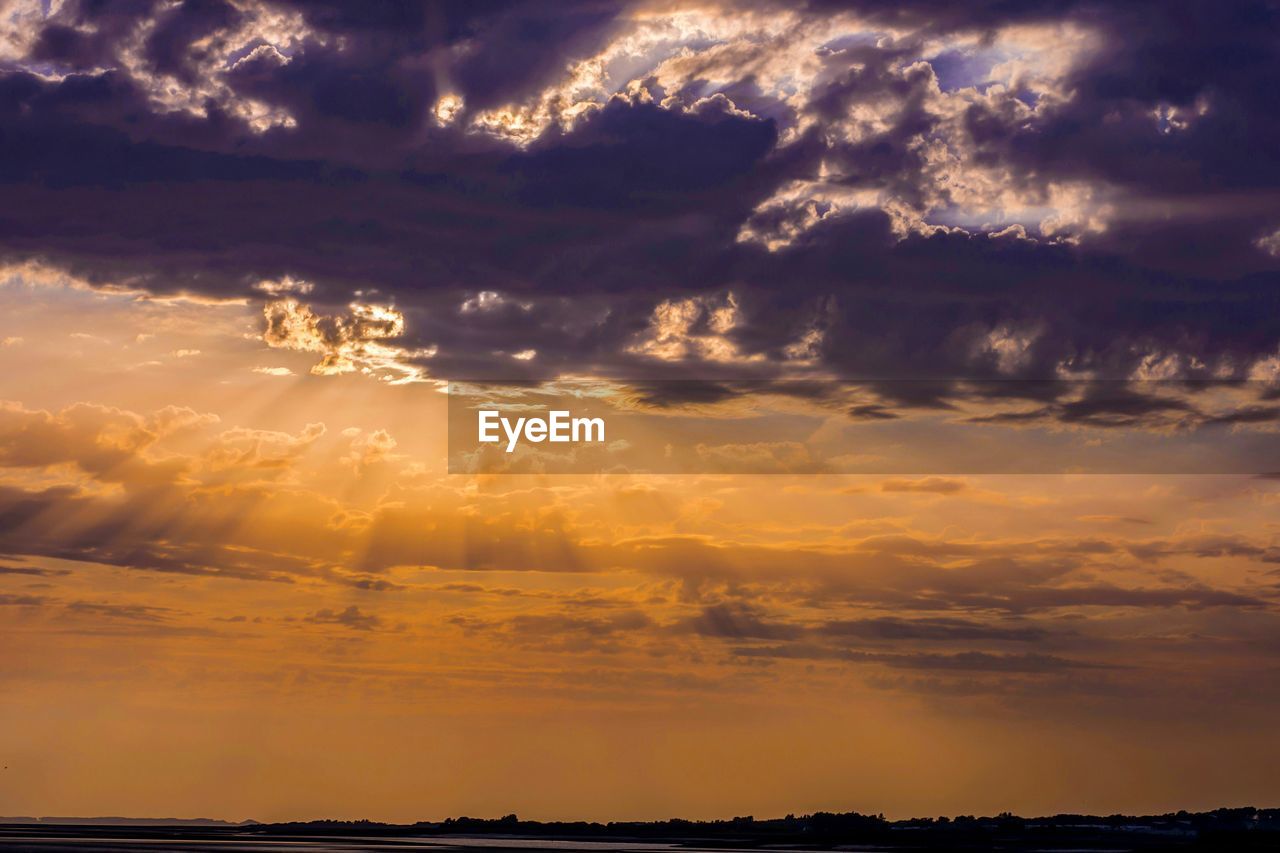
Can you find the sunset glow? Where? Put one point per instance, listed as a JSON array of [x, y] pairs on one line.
[[245, 248]]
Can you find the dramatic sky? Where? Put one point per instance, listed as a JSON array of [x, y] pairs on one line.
[[244, 244]]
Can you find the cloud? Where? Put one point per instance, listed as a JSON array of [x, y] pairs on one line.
[[31, 571], [936, 629], [736, 621], [606, 190], [348, 343], [563, 630], [109, 443], [985, 662], [369, 448], [129, 612], [352, 617], [928, 485], [963, 662], [241, 452], [1269, 243], [11, 600]]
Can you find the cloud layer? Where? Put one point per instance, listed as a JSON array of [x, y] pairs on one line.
[[876, 190]]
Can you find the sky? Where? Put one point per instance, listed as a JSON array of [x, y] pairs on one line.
[[246, 245]]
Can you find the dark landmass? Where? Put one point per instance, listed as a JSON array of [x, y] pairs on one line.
[[1246, 829]]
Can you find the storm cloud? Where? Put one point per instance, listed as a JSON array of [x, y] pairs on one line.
[[879, 190]]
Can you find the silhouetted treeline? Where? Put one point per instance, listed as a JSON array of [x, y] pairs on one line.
[[1238, 828]]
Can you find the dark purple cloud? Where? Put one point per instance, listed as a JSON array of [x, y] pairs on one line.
[[1114, 186]]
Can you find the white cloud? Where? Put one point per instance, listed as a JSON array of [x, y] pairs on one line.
[[1010, 346], [284, 286], [1269, 243], [357, 342], [696, 327]]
